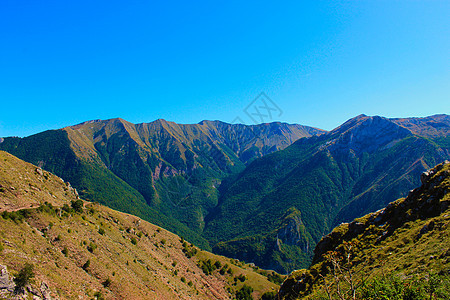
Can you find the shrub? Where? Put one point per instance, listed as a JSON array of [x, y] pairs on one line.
[[99, 296], [92, 246], [245, 293], [24, 277], [107, 282], [65, 251], [275, 278], [206, 266], [86, 265], [183, 279], [66, 208], [101, 231], [133, 241], [217, 264], [16, 216], [77, 205], [269, 296]]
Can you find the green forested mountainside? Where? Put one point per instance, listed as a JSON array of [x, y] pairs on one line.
[[399, 252], [357, 168], [164, 172], [82, 250]]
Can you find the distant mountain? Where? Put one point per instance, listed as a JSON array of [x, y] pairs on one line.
[[83, 250], [399, 252], [279, 207], [161, 171]]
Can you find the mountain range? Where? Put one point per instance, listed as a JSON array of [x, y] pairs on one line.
[[263, 193]]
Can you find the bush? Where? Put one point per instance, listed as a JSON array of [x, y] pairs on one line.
[[269, 296], [66, 208], [78, 205], [86, 265], [133, 241], [101, 231], [16, 216], [245, 293], [24, 277], [65, 251], [107, 282], [207, 266], [217, 264], [99, 296], [275, 278], [92, 246]]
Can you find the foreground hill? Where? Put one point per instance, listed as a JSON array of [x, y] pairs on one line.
[[82, 250], [164, 172], [279, 207], [399, 252]]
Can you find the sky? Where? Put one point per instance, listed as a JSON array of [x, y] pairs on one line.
[[315, 63]]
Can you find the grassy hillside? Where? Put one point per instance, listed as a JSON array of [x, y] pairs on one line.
[[399, 252], [84, 250]]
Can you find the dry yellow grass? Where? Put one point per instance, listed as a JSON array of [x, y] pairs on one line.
[[140, 260]]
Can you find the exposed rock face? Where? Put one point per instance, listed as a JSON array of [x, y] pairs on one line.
[[366, 134], [7, 285], [294, 233], [45, 291]]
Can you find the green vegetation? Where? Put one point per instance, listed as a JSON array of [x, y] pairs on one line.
[[86, 265], [24, 277], [57, 237], [245, 293], [269, 296], [77, 205], [193, 179], [433, 286], [91, 247], [107, 282], [315, 183], [16, 216], [400, 252]]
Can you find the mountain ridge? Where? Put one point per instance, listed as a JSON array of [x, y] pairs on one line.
[[356, 168]]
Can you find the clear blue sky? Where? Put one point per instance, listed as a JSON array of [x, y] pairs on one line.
[[321, 62]]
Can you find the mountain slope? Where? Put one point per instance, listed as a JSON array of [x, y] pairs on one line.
[[356, 168], [410, 237], [161, 171], [85, 250]]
